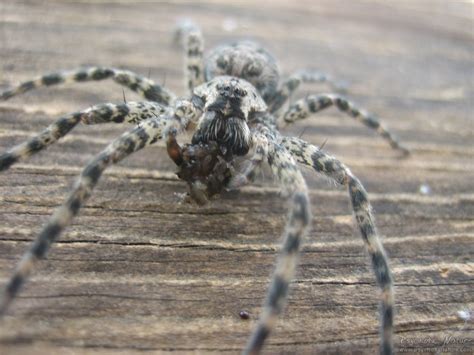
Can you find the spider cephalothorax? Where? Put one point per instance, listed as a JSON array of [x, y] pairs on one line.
[[233, 110], [229, 103]]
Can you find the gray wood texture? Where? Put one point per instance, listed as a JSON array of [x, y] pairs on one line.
[[140, 272]]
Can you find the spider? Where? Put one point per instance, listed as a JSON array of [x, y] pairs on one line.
[[234, 108]]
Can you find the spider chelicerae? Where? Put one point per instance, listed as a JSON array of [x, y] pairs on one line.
[[234, 107]]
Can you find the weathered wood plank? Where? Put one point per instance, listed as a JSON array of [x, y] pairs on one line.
[[138, 271]]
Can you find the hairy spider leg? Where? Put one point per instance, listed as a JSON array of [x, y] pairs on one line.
[[290, 85], [260, 143], [293, 184], [146, 134], [314, 103], [141, 85], [193, 43], [131, 112], [296, 228], [285, 170], [321, 162]]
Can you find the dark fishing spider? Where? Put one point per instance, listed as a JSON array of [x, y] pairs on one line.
[[233, 109]]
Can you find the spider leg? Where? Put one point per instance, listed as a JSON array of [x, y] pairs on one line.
[[131, 112], [141, 85], [290, 85], [193, 43], [314, 103], [146, 134], [260, 143], [312, 156], [292, 182]]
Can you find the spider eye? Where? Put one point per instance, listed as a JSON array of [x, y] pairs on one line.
[[222, 63], [240, 92]]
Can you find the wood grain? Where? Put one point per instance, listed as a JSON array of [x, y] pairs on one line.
[[139, 272]]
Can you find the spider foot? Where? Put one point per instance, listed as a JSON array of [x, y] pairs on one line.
[[404, 151], [183, 27]]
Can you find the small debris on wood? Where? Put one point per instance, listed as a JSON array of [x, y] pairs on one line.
[[244, 315]]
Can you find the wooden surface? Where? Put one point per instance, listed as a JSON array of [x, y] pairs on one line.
[[139, 272]]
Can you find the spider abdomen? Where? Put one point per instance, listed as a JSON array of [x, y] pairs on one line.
[[247, 60]]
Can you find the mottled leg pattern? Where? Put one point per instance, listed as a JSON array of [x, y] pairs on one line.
[[292, 182], [132, 112], [260, 153], [145, 134], [193, 44], [312, 156], [290, 85], [143, 86], [296, 228], [314, 103]]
